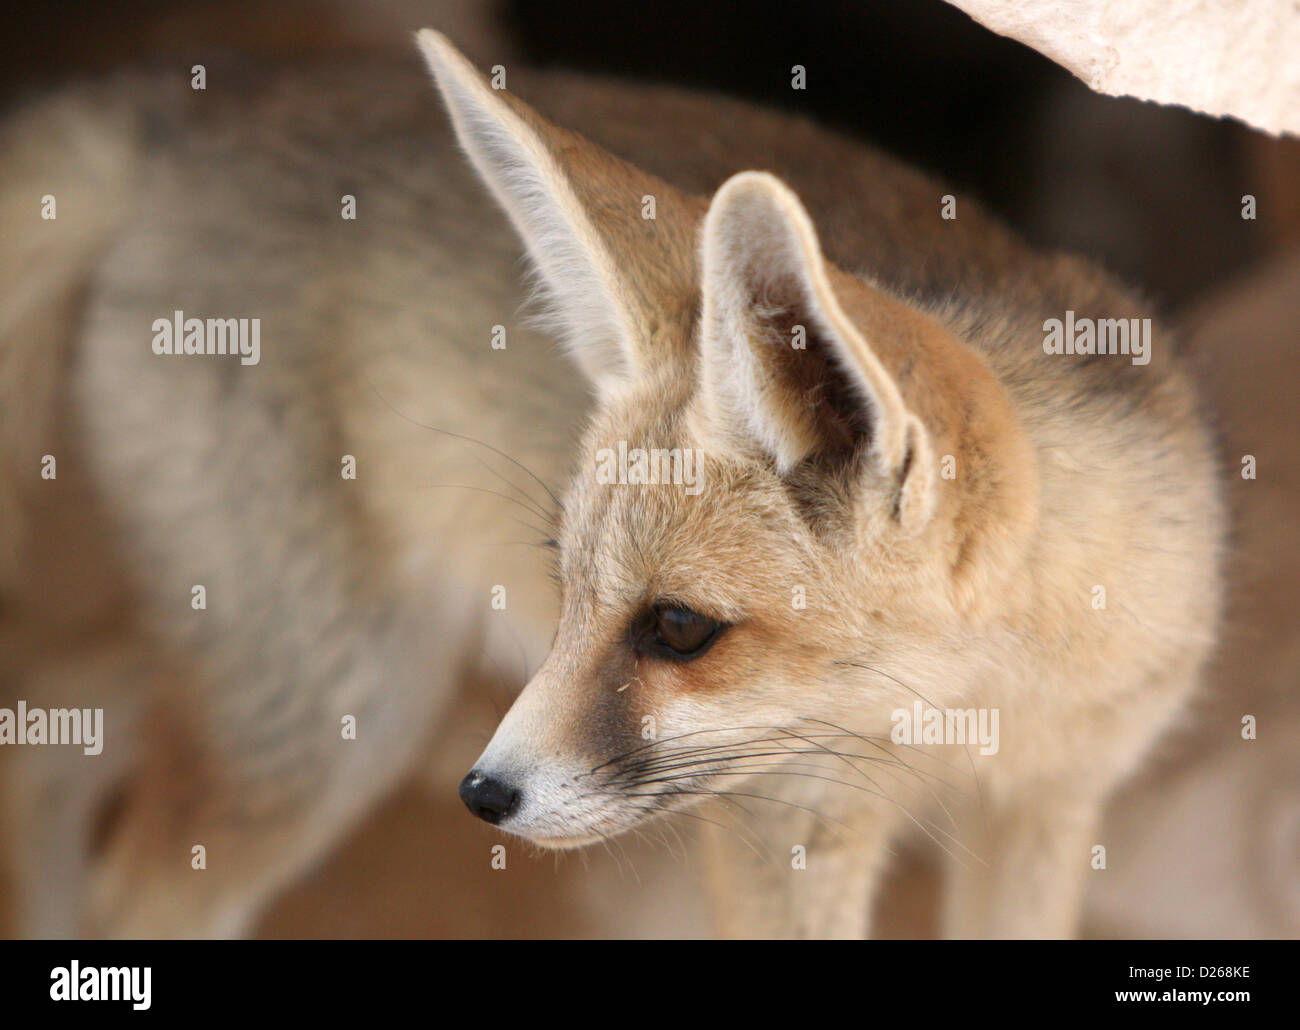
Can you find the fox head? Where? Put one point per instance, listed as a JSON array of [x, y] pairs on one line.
[[794, 494]]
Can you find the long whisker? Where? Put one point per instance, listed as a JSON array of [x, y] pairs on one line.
[[719, 752], [781, 734], [469, 439], [659, 742], [705, 761], [979, 789], [669, 813], [785, 771], [921, 774], [536, 512], [694, 763], [741, 794]]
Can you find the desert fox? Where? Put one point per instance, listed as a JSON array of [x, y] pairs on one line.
[[832, 480]]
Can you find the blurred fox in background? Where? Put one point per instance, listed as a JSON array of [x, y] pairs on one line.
[[272, 567]]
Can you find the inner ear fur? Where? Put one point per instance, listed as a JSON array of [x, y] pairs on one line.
[[784, 365]]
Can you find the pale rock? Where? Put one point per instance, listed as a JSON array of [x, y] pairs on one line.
[[1222, 57]]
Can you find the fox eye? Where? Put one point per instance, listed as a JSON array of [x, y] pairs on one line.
[[677, 633]]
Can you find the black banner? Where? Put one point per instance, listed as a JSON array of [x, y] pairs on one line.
[[437, 980]]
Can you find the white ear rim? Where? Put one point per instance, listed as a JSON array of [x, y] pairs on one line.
[[754, 206], [580, 283], [918, 495]]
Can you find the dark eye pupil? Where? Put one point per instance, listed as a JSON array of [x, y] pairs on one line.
[[673, 633], [684, 631]]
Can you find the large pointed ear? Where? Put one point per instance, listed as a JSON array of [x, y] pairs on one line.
[[784, 369], [617, 284]]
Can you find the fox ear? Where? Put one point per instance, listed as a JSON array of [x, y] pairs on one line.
[[783, 367], [616, 284]]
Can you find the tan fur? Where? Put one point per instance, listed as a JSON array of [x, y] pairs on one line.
[[372, 597], [821, 473]]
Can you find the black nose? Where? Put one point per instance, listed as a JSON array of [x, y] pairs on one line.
[[488, 798]]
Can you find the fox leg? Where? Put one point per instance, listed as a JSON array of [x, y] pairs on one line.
[[52, 796], [1036, 857], [796, 874], [50, 805], [194, 859], [234, 801], [1037, 841], [205, 874]]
